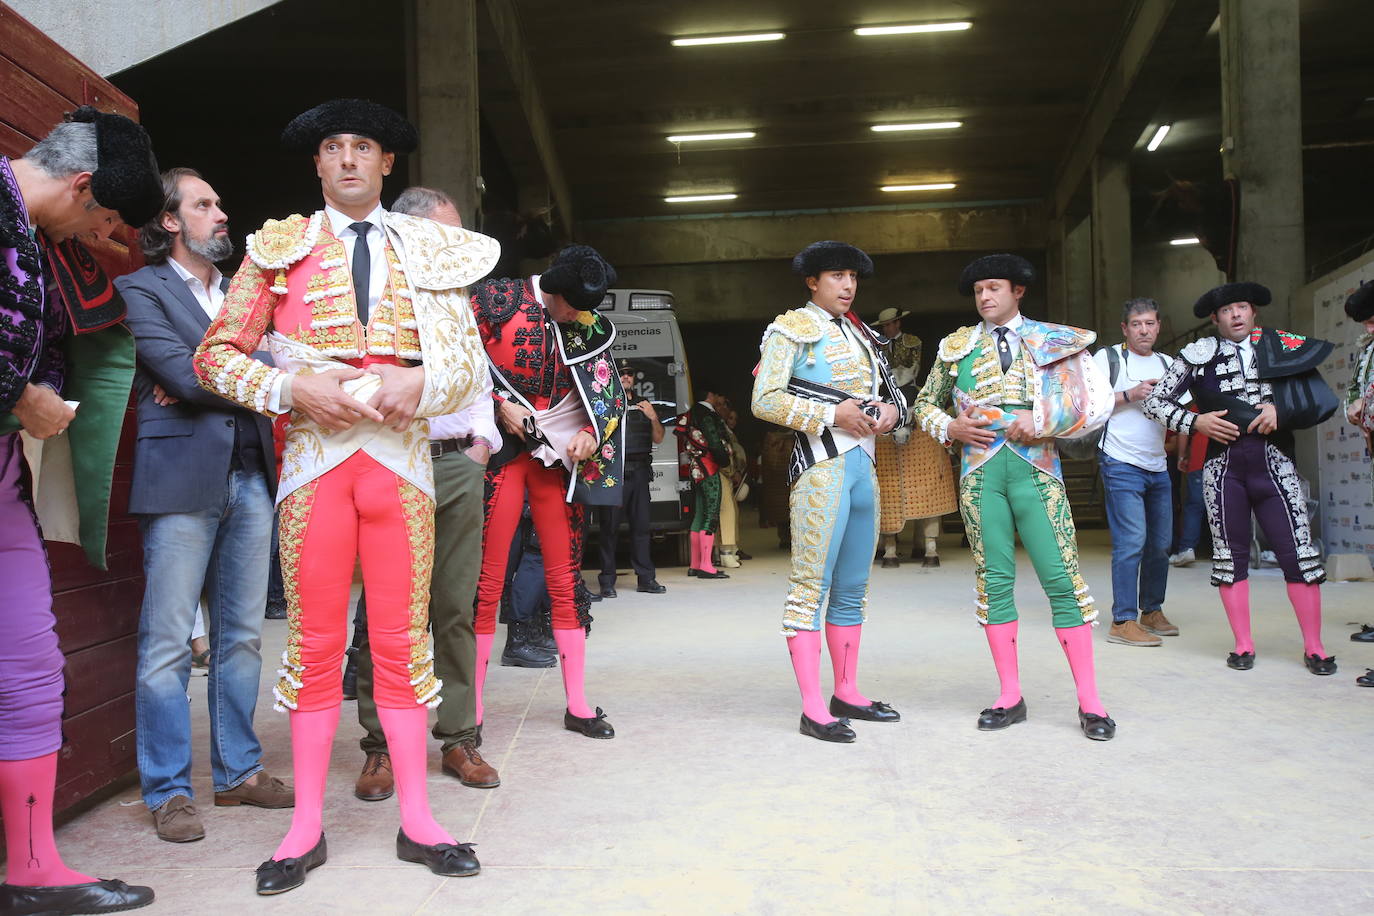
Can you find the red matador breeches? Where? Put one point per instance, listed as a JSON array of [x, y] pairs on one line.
[[358, 509], [553, 518]]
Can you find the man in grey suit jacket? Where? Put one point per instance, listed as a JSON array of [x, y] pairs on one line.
[[203, 486]]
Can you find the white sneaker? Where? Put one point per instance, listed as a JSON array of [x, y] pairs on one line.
[[1183, 558]]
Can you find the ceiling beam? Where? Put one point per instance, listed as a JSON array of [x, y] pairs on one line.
[[505, 22], [1158, 40], [769, 236]]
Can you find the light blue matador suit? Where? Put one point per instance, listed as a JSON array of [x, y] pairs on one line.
[[810, 363]]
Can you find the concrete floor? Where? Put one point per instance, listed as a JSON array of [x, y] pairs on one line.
[[1224, 791]]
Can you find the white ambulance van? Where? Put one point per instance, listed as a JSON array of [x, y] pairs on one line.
[[647, 335]]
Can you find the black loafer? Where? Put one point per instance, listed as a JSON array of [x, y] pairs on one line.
[[1366, 634], [876, 711], [1366, 679], [930, 563], [1098, 728], [608, 592], [652, 587], [1318, 665], [990, 720], [452, 860], [1241, 661], [277, 876], [693, 571], [106, 896], [718, 574], [837, 731], [593, 727]]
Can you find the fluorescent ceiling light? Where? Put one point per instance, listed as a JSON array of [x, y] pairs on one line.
[[1188, 241], [1158, 138], [925, 125], [729, 135], [694, 198], [728, 39], [913, 29], [938, 186]]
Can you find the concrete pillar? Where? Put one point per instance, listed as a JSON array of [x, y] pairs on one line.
[[443, 91], [1056, 288], [1261, 108], [1078, 275], [1111, 244]]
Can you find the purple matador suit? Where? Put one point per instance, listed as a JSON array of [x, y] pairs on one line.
[[31, 324], [1255, 473]]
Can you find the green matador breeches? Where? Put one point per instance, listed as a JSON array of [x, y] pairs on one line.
[[1004, 497]]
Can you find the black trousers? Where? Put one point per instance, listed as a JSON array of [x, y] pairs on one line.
[[635, 510]]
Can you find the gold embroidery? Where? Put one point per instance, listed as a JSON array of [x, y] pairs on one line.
[[418, 510], [970, 507], [295, 518]]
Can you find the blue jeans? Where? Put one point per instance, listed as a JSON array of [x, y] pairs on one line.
[[223, 554], [1140, 513], [1190, 516]]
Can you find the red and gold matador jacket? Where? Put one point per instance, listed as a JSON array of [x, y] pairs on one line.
[[295, 287]]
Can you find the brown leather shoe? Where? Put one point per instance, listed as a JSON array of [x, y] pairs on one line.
[[177, 821], [467, 765], [376, 781], [260, 790], [1155, 622]]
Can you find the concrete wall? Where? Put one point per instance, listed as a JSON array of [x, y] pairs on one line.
[[111, 36], [1174, 277]]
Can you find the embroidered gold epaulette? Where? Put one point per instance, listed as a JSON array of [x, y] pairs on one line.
[[801, 326], [956, 346], [282, 242]]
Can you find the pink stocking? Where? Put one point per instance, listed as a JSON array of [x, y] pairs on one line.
[[1236, 600], [696, 549], [704, 563], [405, 741], [1002, 642], [1307, 605], [1078, 647], [312, 738], [572, 659], [479, 671], [805, 649], [843, 643], [26, 790]]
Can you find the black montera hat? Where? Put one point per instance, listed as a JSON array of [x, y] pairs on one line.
[[126, 177], [579, 274], [1228, 293], [1360, 305], [821, 256], [1010, 267], [350, 116]]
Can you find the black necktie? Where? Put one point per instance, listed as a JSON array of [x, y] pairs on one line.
[[362, 269], [1003, 350]]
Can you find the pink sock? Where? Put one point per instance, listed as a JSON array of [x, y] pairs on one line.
[[696, 550], [1307, 605], [26, 790], [1002, 642], [405, 741], [1078, 648], [843, 643], [805, 649], [1236, 600], [704, 561], [312, 739], [572, 660], [479, 671]]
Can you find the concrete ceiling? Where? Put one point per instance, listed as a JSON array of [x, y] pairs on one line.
[[614, 88]]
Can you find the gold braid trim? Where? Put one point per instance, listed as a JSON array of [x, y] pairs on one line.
[[1056, 502], [970, 507], [295, 518], [418, 511]]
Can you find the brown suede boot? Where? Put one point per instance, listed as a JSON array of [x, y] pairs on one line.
[[463, 762], [376, 782]]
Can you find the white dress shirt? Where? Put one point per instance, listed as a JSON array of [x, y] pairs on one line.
[[1013, 332], [210, 299], [376, 248], [478, 420]]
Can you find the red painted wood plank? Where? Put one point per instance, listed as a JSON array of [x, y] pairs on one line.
[[13, 143], [97, 613], [97, 673], [30, 106], [24, 44], [98, 749]]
